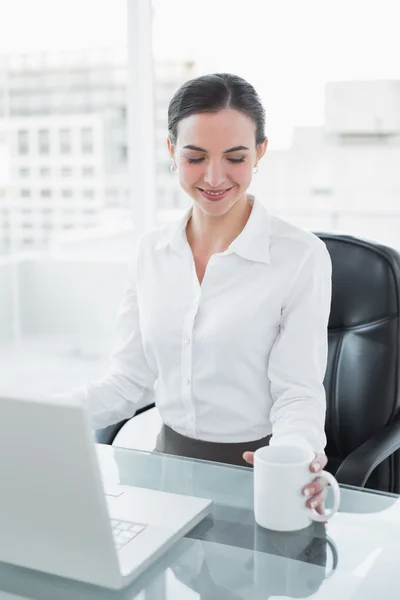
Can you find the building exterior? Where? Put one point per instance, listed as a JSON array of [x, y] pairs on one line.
[[345, 175], [56, 177], [64, 153], [63, 128]]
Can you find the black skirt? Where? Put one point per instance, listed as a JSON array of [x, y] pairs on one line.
[[171, 442]]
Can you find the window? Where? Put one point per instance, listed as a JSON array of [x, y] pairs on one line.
[[119, 76], [44, 141], [88, 172], [333, 129], [123, 154], [65, 141], [23, 142], [87, 140], [319, 191], [55, 170]]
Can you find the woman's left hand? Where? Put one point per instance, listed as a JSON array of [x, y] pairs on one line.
[[315, 492]]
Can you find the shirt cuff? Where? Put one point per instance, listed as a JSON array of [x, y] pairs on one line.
[[292, 440]]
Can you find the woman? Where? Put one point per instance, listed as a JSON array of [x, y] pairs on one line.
[[224, 323]]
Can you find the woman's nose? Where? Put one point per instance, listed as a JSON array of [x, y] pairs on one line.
[[215, 174]]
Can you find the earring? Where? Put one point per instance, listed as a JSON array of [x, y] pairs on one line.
[[173, 168], [255, 170]]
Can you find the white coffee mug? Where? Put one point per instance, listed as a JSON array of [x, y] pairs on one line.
[[280, 474]]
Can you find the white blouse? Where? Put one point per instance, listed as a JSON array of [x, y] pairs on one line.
[[236, 358]]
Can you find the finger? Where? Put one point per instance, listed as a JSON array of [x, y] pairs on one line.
[[319, 484], [323, 459], [315, 487], [249, 457], [318, 463], [318, 500]]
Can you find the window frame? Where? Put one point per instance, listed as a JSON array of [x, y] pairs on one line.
[[141, 115]]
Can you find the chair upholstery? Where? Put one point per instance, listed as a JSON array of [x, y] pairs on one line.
[[362, 380]]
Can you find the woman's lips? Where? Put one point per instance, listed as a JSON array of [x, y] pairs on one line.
[[214, 195]]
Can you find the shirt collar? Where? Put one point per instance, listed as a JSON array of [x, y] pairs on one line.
[[175, 234], [252, 243]]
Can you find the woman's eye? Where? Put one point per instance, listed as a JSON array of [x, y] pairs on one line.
[[236, 160], [194, 160]]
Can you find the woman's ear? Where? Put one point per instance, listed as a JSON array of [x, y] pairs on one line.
[[171, 148], [261, 149]]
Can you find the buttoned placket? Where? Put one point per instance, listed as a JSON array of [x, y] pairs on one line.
[[186, 352]]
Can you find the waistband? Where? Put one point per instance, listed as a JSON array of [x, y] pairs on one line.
[[171, 442]]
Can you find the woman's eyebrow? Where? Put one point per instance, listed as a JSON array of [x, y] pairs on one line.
[[198, 149]]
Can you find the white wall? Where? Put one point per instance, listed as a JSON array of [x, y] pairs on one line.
[[97, 245], [65, 298]]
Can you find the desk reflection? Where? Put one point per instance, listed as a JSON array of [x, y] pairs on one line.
[[237, 561], [276, 564]]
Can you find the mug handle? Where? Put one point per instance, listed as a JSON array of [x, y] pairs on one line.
[[335, 557], [336, 499]]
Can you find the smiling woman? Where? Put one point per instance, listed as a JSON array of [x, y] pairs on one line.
[[227, 308], [216, 138], [210, 193], [219, 165]]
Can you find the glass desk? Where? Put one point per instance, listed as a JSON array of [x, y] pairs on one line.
[[227, 557]]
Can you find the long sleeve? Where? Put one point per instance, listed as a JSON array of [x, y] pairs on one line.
[[299, 356], [129, 383]]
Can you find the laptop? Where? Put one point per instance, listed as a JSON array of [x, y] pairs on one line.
[[57, 516]]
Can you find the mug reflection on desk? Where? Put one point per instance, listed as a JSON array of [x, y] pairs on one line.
[[292, 564]]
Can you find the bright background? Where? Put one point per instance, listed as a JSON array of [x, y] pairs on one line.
[[83, 161]]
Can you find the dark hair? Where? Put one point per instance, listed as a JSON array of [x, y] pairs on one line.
[[212, 93]]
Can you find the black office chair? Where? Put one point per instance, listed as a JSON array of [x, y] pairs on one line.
[[108, 434], [363, 373]]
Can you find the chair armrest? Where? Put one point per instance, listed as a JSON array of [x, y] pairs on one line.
[[108, 434], [358, 466]]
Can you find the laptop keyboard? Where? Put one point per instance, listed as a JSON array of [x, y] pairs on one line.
[[125, 531]]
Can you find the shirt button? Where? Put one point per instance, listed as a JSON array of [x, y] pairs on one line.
[[187, 340], [187, 381]]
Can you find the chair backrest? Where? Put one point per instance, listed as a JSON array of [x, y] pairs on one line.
[[363, 374]]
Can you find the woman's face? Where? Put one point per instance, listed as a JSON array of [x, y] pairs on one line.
[[215, 155]]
